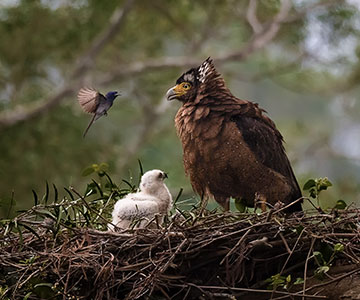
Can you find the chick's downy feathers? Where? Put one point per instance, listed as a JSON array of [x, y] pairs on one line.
[[138, 209], [231, 148]]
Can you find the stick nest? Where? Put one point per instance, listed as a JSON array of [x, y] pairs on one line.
[[196, 255]]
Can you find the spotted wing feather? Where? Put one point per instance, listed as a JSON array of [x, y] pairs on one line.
[[88, 99]]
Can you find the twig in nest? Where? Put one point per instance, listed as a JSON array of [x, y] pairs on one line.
[[233, 249], [306, 266]]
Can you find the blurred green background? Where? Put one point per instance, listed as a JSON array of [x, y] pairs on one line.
[[300, 60]]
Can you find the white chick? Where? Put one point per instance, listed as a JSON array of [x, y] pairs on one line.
[[153, 199]]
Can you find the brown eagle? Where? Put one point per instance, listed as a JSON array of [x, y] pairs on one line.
[[231, 148]]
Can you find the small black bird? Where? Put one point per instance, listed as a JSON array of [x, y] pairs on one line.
[[95, 103]]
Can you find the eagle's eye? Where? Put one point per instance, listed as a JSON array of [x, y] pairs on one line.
[[186, 86]]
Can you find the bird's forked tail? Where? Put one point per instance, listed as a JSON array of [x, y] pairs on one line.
[[88, 127]]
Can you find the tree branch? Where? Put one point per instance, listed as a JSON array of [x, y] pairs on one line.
[[21, 113], [259, 40], [108, 34], [252, 18]]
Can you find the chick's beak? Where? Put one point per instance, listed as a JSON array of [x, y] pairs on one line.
[[171, 94], [165, 175]]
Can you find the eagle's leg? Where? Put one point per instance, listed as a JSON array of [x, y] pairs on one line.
[[224, 202], [260, 201], [203, 203]]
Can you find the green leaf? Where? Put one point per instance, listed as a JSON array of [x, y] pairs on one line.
[[240, 205], [319, 257], [132, 187], [70, 193], [50, 285], [339, 247], [27, 296], [99, 188], [44, 290], [309, 184], [327, 251], [323, 183], [276, 281], [178, 195], [322, 269], [104, 167], [313, 192], [288, 278], [46, 196], [36, 199], [141, 168], [30, 229], [46, 213], [110, 184], [56, 197], [87, 171], [90, 189], [59, 217], [340, 204], [299, 280]]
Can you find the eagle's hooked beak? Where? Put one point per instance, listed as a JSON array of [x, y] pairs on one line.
[[172, 94]]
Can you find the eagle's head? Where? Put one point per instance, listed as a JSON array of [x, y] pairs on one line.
[[195, 81]]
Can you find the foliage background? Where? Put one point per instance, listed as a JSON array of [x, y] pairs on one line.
[[298, 59]]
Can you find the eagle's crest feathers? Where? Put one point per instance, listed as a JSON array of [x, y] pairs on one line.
[[204, 69]]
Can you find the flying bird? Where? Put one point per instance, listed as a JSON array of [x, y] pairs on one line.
[[91, 101], [152, 201], [231, 148]]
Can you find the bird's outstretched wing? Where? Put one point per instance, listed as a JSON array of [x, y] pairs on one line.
[[89, 99]]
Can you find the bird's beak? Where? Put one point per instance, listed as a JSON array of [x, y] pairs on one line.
[[171, 94], [165, 175], [117, 94]]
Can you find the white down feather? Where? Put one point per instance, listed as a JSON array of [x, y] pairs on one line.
[[153, 200]]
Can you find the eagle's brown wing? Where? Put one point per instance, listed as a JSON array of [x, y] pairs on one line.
[[266, 142]]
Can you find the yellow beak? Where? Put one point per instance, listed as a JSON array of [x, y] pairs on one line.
[[175, 92], [171, 94]]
